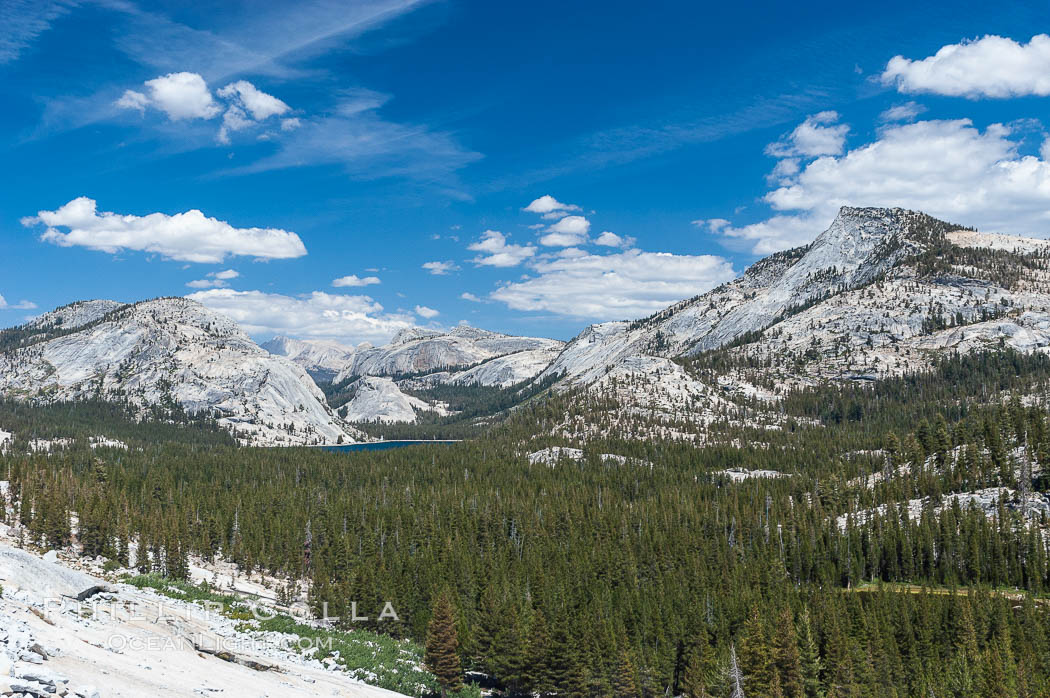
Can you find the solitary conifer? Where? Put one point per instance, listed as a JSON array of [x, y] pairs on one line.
[[442, 657]]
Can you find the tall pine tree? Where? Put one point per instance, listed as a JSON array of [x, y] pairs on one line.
[[442, 645]]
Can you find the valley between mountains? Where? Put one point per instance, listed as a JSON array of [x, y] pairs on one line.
[[826, 477]]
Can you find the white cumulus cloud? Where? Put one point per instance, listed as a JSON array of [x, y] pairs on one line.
[[355, 280], [186, 96], [189, 236], [317, 315], [497, 252], [548, 204], [439, 268], [818, 135], [625, 285], [992, 66], [259, 104], [608, 239], [425, 312], [570, 230], [247, 106], [179, 95]]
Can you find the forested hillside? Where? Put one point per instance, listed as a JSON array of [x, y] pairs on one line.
[[898, 547], [118, 421]]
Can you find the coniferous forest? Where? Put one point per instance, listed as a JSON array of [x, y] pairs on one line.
[[900, 551]]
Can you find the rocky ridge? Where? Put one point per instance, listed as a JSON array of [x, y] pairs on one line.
[[67, 633], [169, 351], [378, 399], [881, 292], [418, 351]]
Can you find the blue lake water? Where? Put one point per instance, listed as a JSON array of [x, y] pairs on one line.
[[384, 445]]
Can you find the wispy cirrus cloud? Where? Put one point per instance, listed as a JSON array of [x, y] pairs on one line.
[[621, 145], [273, 39], [352, 135], [276, 41], [355, 137], [902, 112], [24, 20]]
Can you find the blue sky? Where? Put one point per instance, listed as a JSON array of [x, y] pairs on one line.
[[345, 169]]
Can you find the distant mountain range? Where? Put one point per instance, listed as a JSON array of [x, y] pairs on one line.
[[880, 292], [419, 358], [455, 354]]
